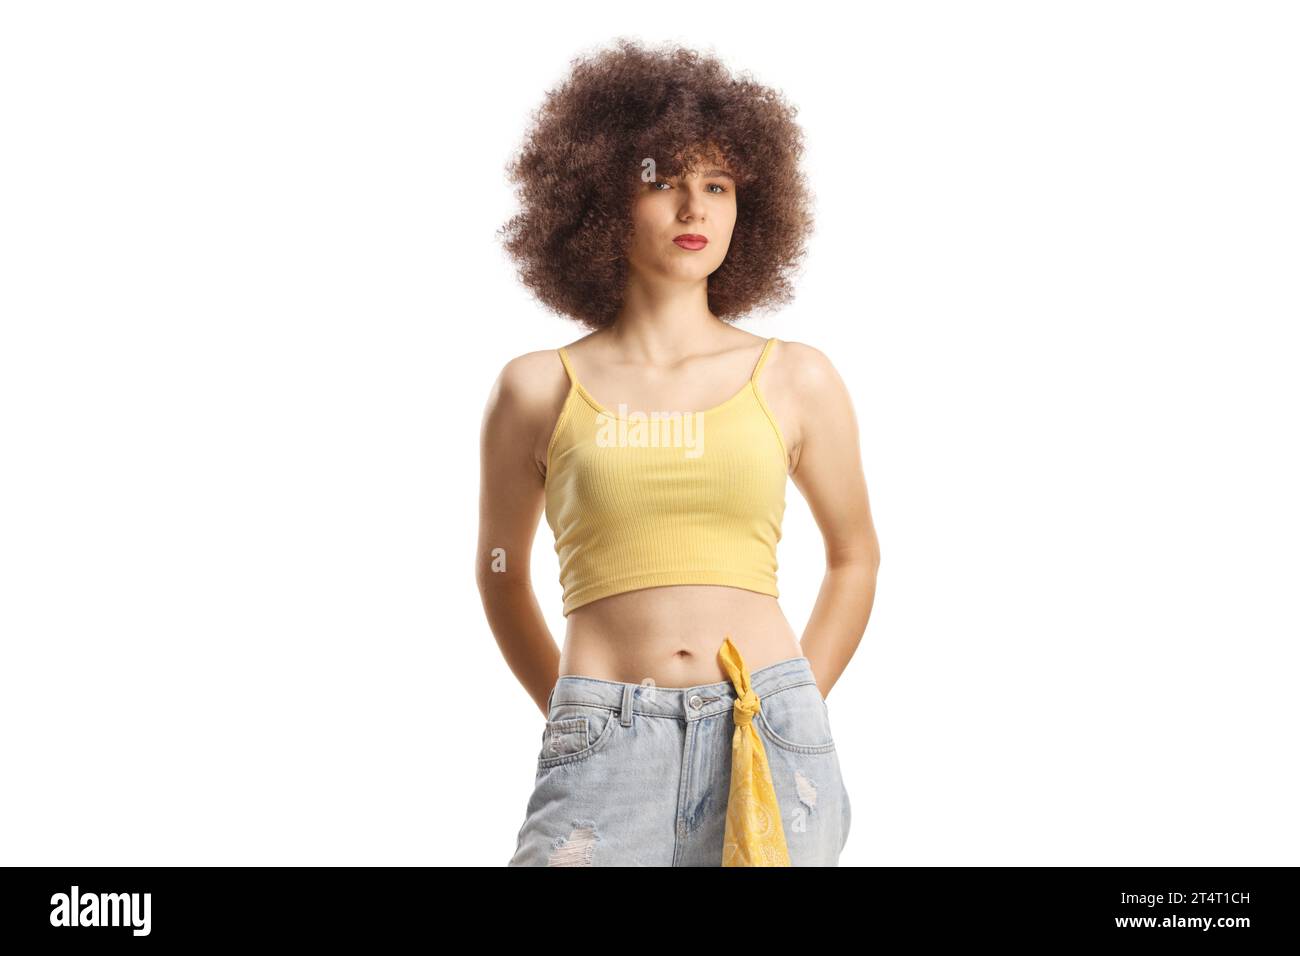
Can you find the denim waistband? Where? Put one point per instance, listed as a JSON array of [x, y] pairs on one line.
[[684, 703]]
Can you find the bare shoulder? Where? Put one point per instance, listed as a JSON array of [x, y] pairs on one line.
[[525, 404], [806, 395], [527, 384], [806, 368]]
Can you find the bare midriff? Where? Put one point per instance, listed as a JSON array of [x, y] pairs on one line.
[[671, 635]]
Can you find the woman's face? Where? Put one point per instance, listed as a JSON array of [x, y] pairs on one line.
[[682, 225]]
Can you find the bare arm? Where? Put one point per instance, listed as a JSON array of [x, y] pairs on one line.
[[828, 472], [511, 502]]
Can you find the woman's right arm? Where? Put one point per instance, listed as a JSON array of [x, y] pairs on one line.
[[521, 411]]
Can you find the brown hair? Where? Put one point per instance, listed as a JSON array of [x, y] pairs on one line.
[[579, 169]]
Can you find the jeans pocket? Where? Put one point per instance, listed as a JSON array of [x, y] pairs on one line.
[[574, 732], [796, 719]]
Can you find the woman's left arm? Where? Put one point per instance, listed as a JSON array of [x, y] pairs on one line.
[[828, 473]]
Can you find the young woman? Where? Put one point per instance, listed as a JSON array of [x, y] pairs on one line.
[[686, 724]]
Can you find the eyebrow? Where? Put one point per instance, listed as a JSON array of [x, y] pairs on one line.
[[711, 174]]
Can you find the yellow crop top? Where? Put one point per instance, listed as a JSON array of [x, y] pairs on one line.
[[638, 500]]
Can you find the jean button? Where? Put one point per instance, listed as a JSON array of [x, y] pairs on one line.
[[695, 701]]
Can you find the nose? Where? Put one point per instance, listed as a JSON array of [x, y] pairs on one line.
[[692, 205]]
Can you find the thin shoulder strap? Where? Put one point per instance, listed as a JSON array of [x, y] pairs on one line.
[[568, 368], [762, 358]]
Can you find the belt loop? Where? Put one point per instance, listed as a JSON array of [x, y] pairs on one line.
[[626, 715], [551, 697]]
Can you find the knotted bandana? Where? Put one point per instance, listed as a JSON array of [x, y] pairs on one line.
[[755, 835]]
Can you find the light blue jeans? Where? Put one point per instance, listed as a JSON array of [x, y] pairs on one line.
[[638, 775]]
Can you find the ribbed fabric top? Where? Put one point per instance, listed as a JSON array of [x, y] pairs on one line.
[[639, 500]]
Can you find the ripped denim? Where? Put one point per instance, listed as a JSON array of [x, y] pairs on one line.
[[638, 775]]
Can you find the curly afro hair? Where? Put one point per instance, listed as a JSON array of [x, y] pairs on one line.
[[579, 169]]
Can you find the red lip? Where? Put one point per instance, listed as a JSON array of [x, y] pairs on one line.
[[689, 240]]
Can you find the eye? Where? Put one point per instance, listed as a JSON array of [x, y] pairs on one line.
[[654, 186]]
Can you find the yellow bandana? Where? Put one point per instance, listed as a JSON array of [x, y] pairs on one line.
[[755, 835]]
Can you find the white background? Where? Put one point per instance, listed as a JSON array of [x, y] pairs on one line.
[[253, 305]]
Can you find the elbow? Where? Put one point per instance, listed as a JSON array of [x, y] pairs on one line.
[[497, 583], [858, 560], [860, 554]]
